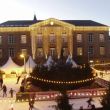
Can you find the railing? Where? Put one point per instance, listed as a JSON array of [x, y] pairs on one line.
[[53, 95]]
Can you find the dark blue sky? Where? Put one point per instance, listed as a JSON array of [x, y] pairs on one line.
[[97, 10]]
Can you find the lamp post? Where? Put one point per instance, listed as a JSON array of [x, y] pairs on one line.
[[88, 56], [23, 56]]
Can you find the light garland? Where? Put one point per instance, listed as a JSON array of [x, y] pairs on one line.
[[63, 82], [54, 96]]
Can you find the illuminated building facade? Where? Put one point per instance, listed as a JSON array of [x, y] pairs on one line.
[[82, 39]]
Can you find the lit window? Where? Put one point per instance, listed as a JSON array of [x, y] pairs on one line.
[[11, 52], [0, 53], [0, 39], [39, 39], [90, 37], [101, 37], [23, 39], [11, 39], [79, 51], [52, 38], [64, 38], [39, 52], [24, 51], [102, 50], [79, 37], [52, 51]]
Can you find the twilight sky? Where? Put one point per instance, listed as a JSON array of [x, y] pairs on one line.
[[97, 10]]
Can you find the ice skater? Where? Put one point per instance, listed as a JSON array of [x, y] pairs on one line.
[[4, 88], [11, 92], [18, 79]]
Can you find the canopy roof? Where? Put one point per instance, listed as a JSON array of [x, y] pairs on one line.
[[30, 64], [71, 61], [10, 66]]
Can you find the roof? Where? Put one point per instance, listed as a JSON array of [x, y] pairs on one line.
[[20, 23], [26, 23], [84, 23]]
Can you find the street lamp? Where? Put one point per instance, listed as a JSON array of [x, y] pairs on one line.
[[23, 56], [88, 55]]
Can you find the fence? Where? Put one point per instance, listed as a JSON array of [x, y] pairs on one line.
[[53, 95]]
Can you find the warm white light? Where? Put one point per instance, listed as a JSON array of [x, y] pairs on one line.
[[22, 55], [51, 23], [91, 61]]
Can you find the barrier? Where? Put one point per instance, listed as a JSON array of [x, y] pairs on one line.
[[53, 95]]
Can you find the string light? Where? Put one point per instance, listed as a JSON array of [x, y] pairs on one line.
[[54, 96], [64, 82]]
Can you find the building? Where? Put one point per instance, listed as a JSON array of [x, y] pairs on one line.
[[82, 39]]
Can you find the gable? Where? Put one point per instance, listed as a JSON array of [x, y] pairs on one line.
[[52, 22]]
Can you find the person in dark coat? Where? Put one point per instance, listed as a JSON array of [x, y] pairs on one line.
[[18, 79], [4, 88], [1, 82], [89, 102], [93, 107], [31, 104], [81, 108], [11, 92]]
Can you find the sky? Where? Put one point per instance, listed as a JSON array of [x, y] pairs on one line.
[[97, 10]]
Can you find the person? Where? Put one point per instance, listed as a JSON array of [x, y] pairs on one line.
[[1, 82], [89, 102], [4, 90], [23, 81], [81, 108], [93, 107], [18, 79], [31, 104], [22, 88], [11, 92]]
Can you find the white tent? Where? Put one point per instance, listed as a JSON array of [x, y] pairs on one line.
[[10, 66], [49, 62], [70, 61], [30, 64]]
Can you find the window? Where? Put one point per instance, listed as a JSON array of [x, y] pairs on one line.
[[11, 39], [79, 37], [0, 39], [64, 38], [52, 38], [39, 39], [90, 50], [0, 53], [52, 51], [90, 37], [23, 39], [102, 50], [11, 52], [79, 51], [24, 51], [101, 38], [39, 52]]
